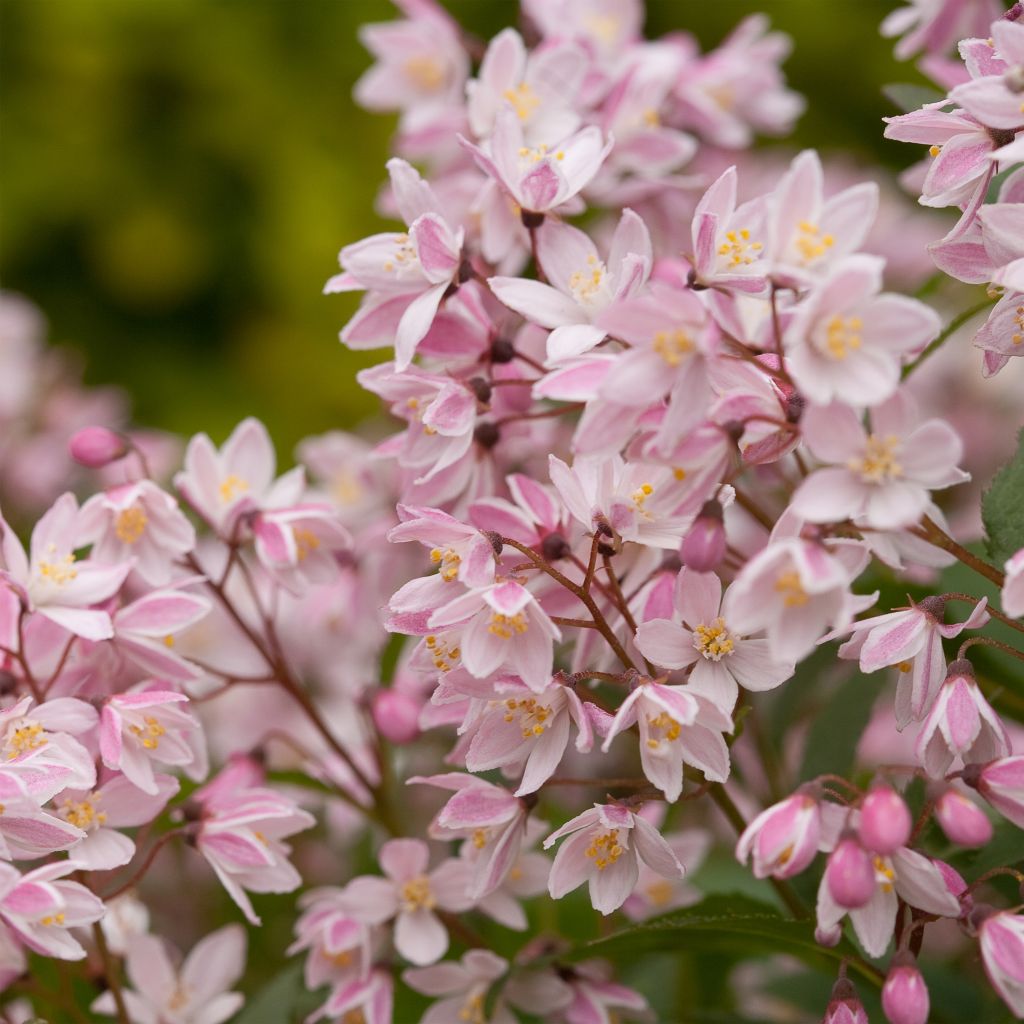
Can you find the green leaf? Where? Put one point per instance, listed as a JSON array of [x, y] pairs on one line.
[[836, 729], [283, 1000], [1001, 508], [723, 923], [908, 97]]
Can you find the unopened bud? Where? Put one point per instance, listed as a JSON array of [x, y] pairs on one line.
[[885, 822], [844, 1005], [703, 548], [963, 821], [396, 716], [850, 875], [904, 994], [96, 447]]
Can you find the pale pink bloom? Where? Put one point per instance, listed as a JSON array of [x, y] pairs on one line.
[[1002, 335], [604, 848], [905, 875], [846, 342], [910, 638], [490, 816], [241, 835], [26, 830], [224, 485], [960, 725], [657, 895], [606, 28], [527, 877], [460, 988], [51, 581], [539, 178], [1013, 588], [533, 514], [338, 947], [737, 88], [597, 1000], [1001, 783], [698, 634], [99, 813], [582, 285], [166, 991], [637, 500], [521, 730], [784, 838], [729, 241], [676, 728], [993, 96], [541, 86], [935, 25], [1001, 939], [460, 551], [808, 234], [503, 626], [299, 545], [406, 274], [38, 744], [13, 963], [371, 997], [883, 478], [794, 589], [41, 910], [411, 894], [137, 522], [147, 727], [145, 631]]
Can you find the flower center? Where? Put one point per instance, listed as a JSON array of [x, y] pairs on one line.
[[426, 72], [130, 524], [416, 894], [879, 461], [447, 563], [662, 727], [811, 243], [1018, 320], [472, 1011], [231, 487], [506, 626], [403, 255], [791, 589], [533, 717], [22, 738], [60, 570], [306, 542], [149, 734], [884, 874], [442, 654], [673, 346], [842, 336], [739, 248], [589, 286], [523, 99], [82, 813], [52, 919], [639, 496], [660, 892], [179, 997], [604, 849], [714, 641]]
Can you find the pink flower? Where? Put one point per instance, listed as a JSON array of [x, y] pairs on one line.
[[846, 343], [145, 631], [114, 805], [194, 992], [538, 178], [934, 25], [240, 836], [698, 634], [905, 875], [137, 522], [883, 478], [41, 911], [783, 839], [1001, 783], [1002, 335], [299, 545], [38, 744], [993, 97], [604, 848], [1001, 938], [462, 986], [582, 287], [371, 997], [51, 581], [912, 639], [460, 552], [410, 895], [1013, 588], [960, 724], [224, 485], [503, 626], [26, 830], [140, 728], [338, 946], [657, 895], [676, 728]]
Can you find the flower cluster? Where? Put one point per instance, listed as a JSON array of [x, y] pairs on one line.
[[660, 445]]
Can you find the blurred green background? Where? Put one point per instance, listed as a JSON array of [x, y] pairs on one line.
[[178, 176]]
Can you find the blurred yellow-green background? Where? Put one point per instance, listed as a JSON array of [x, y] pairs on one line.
[[178, 176]]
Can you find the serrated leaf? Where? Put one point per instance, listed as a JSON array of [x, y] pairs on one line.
[[722, 923], [907, 97], [1001, 508]]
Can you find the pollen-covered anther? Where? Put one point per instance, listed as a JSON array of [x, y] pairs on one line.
[[664, 724], [417, 894], [673, 346], [811, 243], [739, 248], [842, 335], [523, 99], [130, 524], [444, 657], [791, 589], [879, 462], [604, 849], [24, 738], [447, 562], [533, 717], [884, 874], [231, 487], [714, 641], [507, 626], [150, 733]]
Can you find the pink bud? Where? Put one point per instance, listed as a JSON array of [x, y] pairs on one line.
[[844, 1006], [963, 821], [703, 547], [885, 822], [96, 447], [396, 716], [828, 937], [905, 995], [849, 874]]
